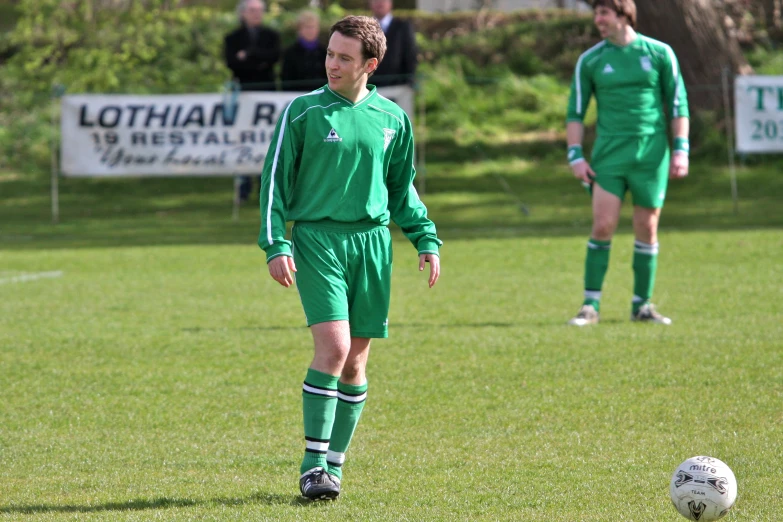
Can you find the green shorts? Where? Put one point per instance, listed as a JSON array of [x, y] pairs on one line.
[[344, 274], [636, 163]]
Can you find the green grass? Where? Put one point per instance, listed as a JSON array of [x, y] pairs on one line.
[[159, 377]]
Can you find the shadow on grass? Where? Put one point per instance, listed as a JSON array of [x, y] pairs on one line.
[[158, 503], [198, 329], [471, 191]]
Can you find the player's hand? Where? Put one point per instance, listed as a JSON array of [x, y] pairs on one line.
[[679, 166], [583, 172], [280, 269], [434, 262], [241, 55]]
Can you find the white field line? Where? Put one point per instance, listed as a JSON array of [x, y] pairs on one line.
[[31, 277]]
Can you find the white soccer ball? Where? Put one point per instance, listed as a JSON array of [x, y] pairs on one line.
[[703, 489]]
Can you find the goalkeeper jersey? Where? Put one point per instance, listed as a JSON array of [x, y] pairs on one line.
[[348, 164], [632, 84]]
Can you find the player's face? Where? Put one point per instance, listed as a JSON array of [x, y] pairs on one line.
[[607, 22], [253, 13], [346, 69]]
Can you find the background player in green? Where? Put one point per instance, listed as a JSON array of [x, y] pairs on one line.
[[340, 166], [638, 88]]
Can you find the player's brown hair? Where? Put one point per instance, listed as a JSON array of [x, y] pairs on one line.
[[365, 29], [626, 8]]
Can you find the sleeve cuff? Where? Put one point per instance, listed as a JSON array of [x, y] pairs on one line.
[[429, 246], [277, 250]]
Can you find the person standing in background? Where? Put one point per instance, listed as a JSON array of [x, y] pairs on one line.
[[399, 65], [639, 91], [304, 61], [251, 53], [252, 50]]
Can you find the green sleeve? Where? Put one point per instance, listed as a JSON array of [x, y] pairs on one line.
[[405, 207], [581, 91], [276, 186], [673, 87]]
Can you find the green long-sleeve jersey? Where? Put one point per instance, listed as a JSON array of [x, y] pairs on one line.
[[631, 84], [332, 160]]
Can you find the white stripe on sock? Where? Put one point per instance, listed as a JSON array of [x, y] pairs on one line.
[[351, 398], [319, 391], [644, 248], [592, 294], [334, 457], [317, 446]]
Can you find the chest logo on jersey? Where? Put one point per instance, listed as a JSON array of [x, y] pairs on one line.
[[388, 135], [608, 69], [332, 137], [646, 63]]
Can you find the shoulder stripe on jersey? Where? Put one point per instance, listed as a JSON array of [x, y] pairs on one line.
[[654, 42], [390, 114], [578, 74], [314, 107], [269, 238], [676, 74]]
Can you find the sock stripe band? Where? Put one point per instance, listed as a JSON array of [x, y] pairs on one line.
[[645, 248], [315, 390], [593, 294], [335, 458], [354, 399], [594, 246], [317, 447]]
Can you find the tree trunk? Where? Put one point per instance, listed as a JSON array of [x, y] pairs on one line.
[[695, 30], [772, 16]]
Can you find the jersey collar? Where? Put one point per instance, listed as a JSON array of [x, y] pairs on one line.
[[359, 104], [630, 45]]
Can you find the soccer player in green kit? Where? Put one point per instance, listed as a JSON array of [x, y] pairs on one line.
[[340, 166], [638, 88]]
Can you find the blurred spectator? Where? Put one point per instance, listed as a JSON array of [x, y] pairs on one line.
[[252, 50], [251, 53], [399, 64], [304, 62]]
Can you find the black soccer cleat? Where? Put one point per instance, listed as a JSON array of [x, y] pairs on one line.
[[336, 481], [316, 484]]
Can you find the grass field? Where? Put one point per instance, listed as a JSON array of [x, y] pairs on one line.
[[153, 370]]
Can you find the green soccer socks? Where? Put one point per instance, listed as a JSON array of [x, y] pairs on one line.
[[319, 400], [645, 264], [596, 264], [350, 402]]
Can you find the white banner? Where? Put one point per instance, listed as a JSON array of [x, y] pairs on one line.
[[759, 113], [176, 134]]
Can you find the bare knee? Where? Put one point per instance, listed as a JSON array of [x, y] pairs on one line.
[[645, 225], [647, 234], [603, 229], [332, 345], [332, 357], [354, 367], [353, 371]]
